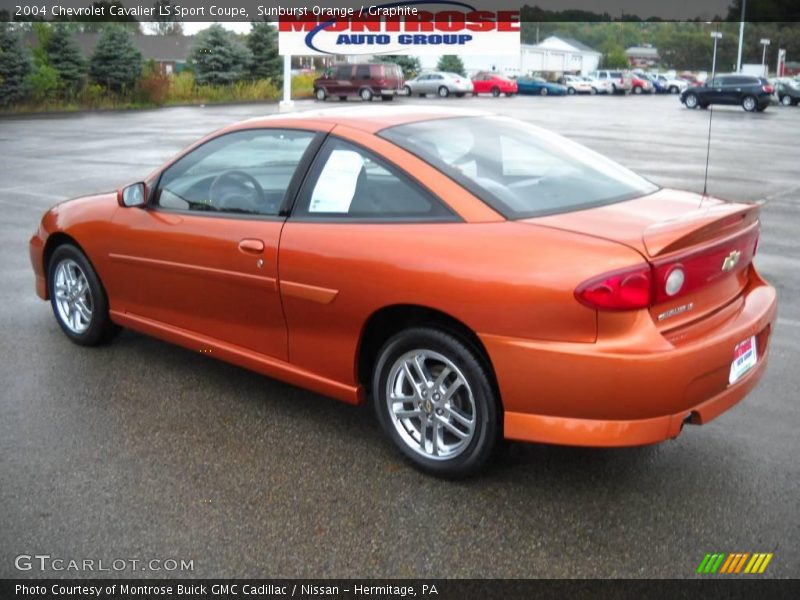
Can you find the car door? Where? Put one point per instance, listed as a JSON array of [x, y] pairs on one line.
[[351, 202], [343, 80], [202, 257]]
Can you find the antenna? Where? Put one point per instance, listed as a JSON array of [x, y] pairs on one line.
[[716, 34]]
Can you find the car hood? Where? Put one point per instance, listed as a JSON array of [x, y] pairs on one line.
[[659, 223]]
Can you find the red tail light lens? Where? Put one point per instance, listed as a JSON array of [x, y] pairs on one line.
[[769, 89], [629, 289]]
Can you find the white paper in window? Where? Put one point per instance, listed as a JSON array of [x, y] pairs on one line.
[[336, 185]]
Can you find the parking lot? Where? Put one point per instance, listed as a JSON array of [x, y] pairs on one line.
[[142, 450]]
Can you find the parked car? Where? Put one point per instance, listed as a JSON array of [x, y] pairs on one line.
[[365, 80], [641, 84], [540, 86], [576, 84], [751, 92], [494, 84], [671, 85], [620, 80], [599, 86], [440, 83], [658, 87], [458, 270], [788, 92]]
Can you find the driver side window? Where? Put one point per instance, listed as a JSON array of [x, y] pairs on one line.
[[244, 172]]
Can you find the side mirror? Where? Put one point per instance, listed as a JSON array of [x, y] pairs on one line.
[[135, 195]]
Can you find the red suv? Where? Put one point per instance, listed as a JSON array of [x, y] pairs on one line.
[[494, 84], [365, 80]]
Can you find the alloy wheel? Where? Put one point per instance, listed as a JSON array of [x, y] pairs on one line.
[[73, 296]]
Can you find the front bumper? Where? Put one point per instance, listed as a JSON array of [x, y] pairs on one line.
[[633, 387]]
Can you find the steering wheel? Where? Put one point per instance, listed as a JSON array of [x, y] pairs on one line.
[[249, 196]]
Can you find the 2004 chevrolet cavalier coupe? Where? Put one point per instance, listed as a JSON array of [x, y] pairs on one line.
[[474, 275]]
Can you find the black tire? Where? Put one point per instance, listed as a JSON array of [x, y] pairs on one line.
[[407, 91], [786, 100], [673, 89], [543, 91], [387, 97], [100, 329], [321, 95], [486, 414], [443, 92], [366, 95], [749, 103], [571, 91], [691, 101], [495, 92], [638, 89]]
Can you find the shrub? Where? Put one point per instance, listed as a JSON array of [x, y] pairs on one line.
[[182, 87], [42, 83], [154, 86], [303, 85], [263, 44], [92, 95], [116, 63], [65, 57], [217, 58], [15, 66]]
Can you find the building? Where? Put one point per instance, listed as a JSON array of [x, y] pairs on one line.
[[643, 56], [554, 56]]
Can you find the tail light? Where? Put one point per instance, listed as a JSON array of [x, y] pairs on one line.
[[628, 289], [768, 89]]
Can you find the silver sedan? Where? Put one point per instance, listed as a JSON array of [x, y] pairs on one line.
[[440, 83]]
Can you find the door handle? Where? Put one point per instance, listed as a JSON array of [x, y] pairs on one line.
[[251, 246]]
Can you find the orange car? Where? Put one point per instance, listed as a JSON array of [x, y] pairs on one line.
[[476, 276]]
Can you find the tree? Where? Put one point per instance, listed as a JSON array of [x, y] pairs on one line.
[[451, 63], [116, 63], [15, 66], [217, 58], [263, 44], [164, 23], [65, 58], [409, 64]]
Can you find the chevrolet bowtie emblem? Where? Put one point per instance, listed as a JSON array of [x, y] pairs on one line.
[[731, 260]]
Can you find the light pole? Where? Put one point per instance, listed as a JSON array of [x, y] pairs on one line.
[[764, 43], [716, 35], [741, 39]]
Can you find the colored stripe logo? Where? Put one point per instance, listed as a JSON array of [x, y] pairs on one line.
[[735, 563]]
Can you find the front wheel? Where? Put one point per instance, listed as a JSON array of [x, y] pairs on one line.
[[691, 101], [495, 92], [786, 100], [571, 91], [434, 400], [407, 90], [637, 90], [366, 94], [543, 92], [673, 89], [320, 94], [78, 299], [443, 92], [749, 103]]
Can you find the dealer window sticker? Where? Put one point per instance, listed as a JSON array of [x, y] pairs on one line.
[[336, 185]]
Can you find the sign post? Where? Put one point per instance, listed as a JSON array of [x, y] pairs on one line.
[[287, 104]]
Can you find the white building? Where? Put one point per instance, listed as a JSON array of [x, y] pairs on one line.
[[552, 55]]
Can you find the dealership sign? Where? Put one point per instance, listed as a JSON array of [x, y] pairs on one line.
[[400, 28]]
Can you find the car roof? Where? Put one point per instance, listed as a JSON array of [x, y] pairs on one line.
[[369, 119]]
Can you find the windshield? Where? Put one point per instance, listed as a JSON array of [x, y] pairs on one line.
[[518, 169]]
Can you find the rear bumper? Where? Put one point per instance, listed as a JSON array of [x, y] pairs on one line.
[[633, 388]]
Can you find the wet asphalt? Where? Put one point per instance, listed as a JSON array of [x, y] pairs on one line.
[[144, 451]]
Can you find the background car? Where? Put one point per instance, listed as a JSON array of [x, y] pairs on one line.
[[440, 83], [750, 92], [599, 86], [576, 84], [788, 92], [365, 80], [620, 80], [641, 84], [457, 269], [494, 84], [540, 86], [670, 85]]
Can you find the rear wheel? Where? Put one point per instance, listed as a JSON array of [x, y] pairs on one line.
[[407, 90], [592, 91], [495, 92], [443, 92], [637, 90], [320, 94], [366, 94], [691, 101], [78, 299], [786, 100], [434, 400], [571, 91], [673, 89], [749, 103], [543, 92]]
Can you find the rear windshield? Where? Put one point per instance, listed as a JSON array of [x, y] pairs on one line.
[[519, 169]]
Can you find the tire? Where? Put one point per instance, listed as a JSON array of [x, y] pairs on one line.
[[495, 92], [637, 90], [749, 103], [366, 95], [673, 89], [571, 91], [787, 101], [543, 92], [407, 90], [387, 97], [451, 437], [443, 92], [593, 92], [691, 101], [78, 298], [321, 95]]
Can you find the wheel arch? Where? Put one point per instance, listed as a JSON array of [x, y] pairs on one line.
[[389, 320], [54, 240]]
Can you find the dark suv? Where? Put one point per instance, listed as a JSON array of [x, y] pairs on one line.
[[750, 92], [365, 80]]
